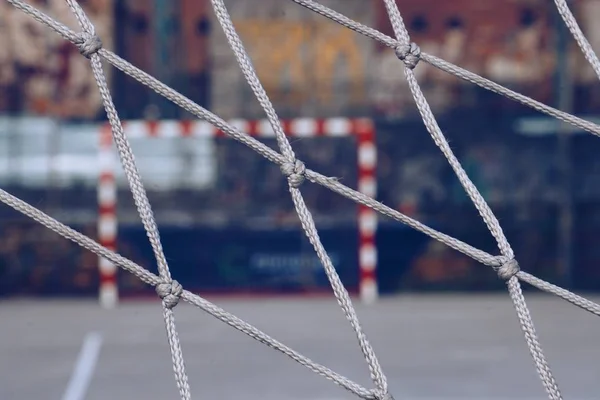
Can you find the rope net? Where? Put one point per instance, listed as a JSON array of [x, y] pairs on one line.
[[171, 292]]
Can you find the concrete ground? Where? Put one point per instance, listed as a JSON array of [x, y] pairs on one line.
[[431, 347]]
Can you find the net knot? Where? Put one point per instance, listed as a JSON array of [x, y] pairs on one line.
[[89, 44], [295, 172], [508, 269], [170, 292], [410, 53]]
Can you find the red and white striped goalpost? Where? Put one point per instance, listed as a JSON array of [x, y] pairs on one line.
[[363, 129]]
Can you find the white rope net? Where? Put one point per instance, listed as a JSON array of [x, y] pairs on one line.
[[294, 169]]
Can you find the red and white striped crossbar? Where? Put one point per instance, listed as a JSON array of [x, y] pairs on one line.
[[363, 129]]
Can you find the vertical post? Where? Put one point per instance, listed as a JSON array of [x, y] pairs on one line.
[[121, 24], [367, 218], [107, 219], [13, 152], [54, 137], [564, 102], [165, 62]]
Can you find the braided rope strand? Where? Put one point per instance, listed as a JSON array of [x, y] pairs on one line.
[[510, 268], [295, 169], [89, 47], [271, 154], [151, 279], [450, 68]]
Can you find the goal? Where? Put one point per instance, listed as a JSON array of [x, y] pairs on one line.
[[360, 129]]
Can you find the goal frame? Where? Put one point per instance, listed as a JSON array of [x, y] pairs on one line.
[[362, 128]]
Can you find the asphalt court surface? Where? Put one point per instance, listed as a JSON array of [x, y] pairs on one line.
[[430, 347]]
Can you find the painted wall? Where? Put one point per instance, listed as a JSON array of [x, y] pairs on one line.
[[308, 65]]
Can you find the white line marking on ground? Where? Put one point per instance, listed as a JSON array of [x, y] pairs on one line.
[[84, 368]]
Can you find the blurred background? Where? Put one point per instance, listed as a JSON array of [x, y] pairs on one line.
[[226, 218]]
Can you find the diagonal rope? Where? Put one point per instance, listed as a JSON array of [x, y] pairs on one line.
[[295, 170], [154, 280], [451, 68], [261, 148], [443, 65], [171, 292], [584, 45], [89, 46], [560, 292], [511, 268], [252, 78], [535, 349]]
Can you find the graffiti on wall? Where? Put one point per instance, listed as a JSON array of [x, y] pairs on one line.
[[41, 73], [305, 58], [308, 65]]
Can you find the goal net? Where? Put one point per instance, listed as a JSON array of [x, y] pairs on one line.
[[297, 173], [209, 189]]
